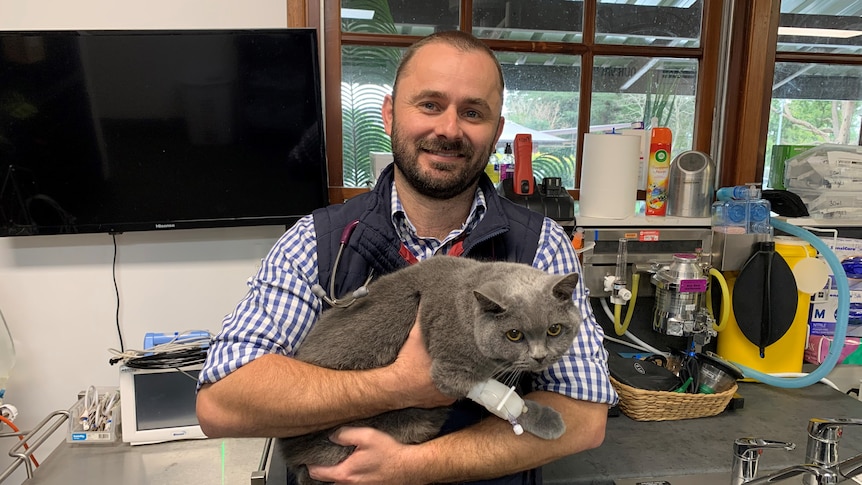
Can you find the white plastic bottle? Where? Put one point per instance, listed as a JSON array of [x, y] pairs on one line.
[[7, 355]]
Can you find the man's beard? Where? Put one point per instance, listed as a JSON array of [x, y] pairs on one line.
[[462, 177]]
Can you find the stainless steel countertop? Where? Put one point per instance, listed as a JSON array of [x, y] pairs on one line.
[[207, 461], [703, 446]]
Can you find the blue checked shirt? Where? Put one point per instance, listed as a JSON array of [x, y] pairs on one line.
[[280, 308]]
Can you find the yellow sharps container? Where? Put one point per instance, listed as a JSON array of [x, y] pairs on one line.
[[786, 354]]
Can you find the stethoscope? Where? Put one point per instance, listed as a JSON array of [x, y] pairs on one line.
[[359, 292], [456, 250]]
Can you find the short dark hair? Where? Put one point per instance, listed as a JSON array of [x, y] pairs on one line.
[[458, 39]]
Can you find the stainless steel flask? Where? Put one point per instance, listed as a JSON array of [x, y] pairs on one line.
[[690, 185]]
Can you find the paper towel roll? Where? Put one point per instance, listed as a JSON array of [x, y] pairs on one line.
[[643, 158], [609, 176]]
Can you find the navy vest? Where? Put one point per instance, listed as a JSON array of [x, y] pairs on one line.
[[507, 232]]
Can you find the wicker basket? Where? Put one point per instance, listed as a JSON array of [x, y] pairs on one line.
[[642, 405]]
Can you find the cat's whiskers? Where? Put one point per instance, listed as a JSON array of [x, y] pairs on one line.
[[513, 378], [500, 369], [508, 376]]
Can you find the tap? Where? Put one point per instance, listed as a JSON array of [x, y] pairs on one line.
[[822, 448], [746, 452]]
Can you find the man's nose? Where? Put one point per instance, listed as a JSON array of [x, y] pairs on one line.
[[449, 124]]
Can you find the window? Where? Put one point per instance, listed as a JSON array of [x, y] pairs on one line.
[[528, 20], [817, 84], [366, 78], [640, 89], [649, 23], [570, 67], [542, 98]]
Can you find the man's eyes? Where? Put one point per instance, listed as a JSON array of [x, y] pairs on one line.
[[468, 113]]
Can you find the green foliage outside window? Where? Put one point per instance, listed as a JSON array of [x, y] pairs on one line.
[[367, 74]]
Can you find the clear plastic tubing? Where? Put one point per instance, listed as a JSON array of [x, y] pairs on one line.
[[622, 256]]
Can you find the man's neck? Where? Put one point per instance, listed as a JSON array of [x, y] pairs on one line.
[[434, 217]]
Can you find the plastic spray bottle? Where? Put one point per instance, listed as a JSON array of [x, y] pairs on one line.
[[658, 169], [578, 238], [7, 356]]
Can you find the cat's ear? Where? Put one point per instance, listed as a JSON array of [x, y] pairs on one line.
[[564, 288], [487, 304]]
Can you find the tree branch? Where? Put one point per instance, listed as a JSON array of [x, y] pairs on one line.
[[825, 134]]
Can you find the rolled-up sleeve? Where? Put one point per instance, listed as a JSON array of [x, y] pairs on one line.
[[278, 310]]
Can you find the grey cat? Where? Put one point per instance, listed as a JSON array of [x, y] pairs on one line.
[[479, 320]]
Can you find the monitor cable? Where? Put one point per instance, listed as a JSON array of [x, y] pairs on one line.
[[185, 349], [116, 292]]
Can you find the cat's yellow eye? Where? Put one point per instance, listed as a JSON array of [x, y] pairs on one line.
[[514, 335], [555, 330]]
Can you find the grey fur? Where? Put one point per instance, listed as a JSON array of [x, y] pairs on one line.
[[467, 308]]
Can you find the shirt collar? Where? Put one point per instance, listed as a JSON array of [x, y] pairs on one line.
[[407, 232]]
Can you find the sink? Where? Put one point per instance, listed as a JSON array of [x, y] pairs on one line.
[[702, 479]]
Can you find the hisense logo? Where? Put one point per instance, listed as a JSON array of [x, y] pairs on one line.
[[165, 226]]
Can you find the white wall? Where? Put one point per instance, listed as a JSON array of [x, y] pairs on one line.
[[57, 292]]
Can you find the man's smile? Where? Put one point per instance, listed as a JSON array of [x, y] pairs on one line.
[[444, 154]]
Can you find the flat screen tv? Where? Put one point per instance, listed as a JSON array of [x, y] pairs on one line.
[[113, 131]]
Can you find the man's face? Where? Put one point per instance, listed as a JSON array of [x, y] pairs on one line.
[[445, 120]]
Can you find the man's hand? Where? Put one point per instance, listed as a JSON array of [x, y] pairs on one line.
[[411, 372], [378, 458]]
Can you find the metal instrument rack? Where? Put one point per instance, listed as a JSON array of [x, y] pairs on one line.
[[23, 450]]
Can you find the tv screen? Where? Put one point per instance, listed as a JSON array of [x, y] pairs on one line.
[[112, 131]]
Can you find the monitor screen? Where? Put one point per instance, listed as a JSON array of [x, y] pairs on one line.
[[158, 404], [165, 400], [112, 131]]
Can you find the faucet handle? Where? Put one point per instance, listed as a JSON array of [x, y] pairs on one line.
[[746, 452], [829, 428], [749, 448]]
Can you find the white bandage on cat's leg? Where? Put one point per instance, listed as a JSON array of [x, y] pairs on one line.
[[500, 400]]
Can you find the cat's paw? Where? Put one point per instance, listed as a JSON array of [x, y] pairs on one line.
[[542, 421]]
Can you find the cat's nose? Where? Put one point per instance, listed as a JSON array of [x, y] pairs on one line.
[[540, 359]]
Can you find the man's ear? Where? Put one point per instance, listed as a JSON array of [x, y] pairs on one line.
[[387, 114]]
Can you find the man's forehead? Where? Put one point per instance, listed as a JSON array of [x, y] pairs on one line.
[[442, 50], [435, 56]]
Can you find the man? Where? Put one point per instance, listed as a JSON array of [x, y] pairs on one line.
[[444, 118]]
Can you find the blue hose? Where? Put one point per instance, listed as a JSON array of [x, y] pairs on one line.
[[841, 319]]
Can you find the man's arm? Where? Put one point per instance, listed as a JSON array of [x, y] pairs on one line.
[[487, 450], [250, 388], [275, 395], [491, 449]]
